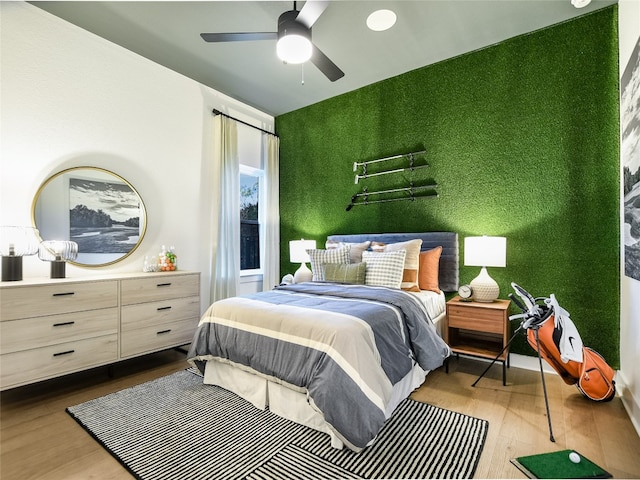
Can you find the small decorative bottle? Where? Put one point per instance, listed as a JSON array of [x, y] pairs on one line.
[[171, 255]]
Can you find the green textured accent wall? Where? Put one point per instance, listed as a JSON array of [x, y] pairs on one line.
[[522, 139]]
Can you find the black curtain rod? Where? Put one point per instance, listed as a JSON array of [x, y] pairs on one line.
[[218, 112]]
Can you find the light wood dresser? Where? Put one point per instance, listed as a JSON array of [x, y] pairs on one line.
[[52, 327]]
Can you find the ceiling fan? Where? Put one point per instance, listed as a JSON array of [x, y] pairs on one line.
[[293, 36]]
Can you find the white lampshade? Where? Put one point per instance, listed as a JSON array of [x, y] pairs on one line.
[[298, 250], [298, 254], [485, 252]]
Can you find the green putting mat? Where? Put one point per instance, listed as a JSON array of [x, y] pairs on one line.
[[558, 465]]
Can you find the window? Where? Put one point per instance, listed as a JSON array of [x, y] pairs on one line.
[[251, 192]]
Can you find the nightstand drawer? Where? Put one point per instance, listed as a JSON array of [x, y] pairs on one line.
[[489, 321]]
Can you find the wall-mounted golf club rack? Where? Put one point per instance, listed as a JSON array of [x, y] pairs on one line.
[[409, 192]]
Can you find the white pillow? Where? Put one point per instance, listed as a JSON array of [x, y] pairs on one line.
[[319, 257], [356, 249], [385, 268]]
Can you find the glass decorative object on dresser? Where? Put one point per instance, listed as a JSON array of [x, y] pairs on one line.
[[16, 242], [58, 252]]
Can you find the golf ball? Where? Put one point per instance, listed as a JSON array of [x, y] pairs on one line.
[[574, 457]]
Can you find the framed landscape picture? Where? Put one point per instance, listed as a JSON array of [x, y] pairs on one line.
[[104, 217], [630, 153]]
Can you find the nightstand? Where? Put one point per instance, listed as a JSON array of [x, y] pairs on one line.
[[478, 329]]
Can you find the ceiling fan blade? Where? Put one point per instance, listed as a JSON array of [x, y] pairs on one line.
[[238, 37], [311, 11], [326, 66]]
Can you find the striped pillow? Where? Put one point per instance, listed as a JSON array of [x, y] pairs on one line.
[[353, 273], [384, 269], [319, 257]]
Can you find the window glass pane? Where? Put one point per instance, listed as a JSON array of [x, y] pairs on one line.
[[249, 224]]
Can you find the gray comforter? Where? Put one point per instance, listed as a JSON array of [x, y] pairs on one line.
[[346, 344]]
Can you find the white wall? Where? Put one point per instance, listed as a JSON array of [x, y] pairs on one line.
[[629, 375], [70, 98]]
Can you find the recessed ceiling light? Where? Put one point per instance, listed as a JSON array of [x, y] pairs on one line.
[[580, 3], [381, 20]]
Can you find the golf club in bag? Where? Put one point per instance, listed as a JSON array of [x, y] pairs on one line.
[[552, 334]]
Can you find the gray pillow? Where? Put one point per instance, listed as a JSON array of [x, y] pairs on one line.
[[345, 273], [319, 257]]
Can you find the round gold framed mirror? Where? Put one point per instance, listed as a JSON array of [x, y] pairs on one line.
[[96, 208]]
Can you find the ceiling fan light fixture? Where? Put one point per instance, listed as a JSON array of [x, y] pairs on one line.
[[294, 49], [381, 20], [580, 3]]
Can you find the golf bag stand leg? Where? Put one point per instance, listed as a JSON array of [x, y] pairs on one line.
[[496, 358], [544, 386]]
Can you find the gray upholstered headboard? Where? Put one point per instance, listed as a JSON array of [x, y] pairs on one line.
[[449, 263]]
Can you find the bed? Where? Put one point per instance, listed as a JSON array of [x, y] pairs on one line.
[[337, 356]]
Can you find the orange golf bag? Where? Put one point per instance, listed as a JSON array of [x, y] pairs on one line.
[[593, 376], [559, 343]]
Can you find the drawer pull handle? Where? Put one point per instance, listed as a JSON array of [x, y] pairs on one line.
[[63, 353], [63, 324], [164, 308], [164, 284], [64, 294], [163, 331]]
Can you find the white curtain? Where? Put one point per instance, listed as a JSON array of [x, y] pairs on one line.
[[271, 255], [225, 263]]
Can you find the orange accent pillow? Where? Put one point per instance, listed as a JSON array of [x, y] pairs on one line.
[[429, 269]]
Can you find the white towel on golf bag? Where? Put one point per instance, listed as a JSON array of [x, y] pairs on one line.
[[570, 341]]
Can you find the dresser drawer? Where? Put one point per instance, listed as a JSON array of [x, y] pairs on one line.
[[28, 333], [40, 300], [154, 313], [40, 363], [157, 337], [485, 320], [154, 288]]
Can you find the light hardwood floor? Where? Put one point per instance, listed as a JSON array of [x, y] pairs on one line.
[[39, 440]]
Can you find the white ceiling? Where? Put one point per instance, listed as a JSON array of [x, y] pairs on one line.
[[426, 32]]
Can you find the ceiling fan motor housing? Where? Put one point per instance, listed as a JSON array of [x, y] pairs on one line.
[[287, 25]]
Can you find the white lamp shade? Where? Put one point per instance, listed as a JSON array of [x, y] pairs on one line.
[[298, 250], [485, 251]]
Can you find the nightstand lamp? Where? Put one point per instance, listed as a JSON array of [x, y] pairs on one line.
[[485, 252], [298, 254], [58, 252], [15, 243]]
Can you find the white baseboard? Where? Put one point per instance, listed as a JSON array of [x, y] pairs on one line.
[[629, 401], [527, 362]]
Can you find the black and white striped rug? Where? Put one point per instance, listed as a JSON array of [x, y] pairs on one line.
[[176, 427]]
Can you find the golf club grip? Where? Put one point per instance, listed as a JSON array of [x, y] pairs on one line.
[[517, 302]]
